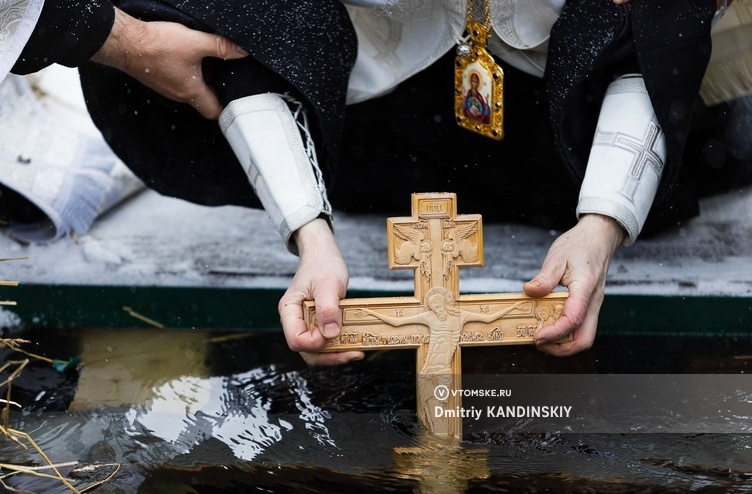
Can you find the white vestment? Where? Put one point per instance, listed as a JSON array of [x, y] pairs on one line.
[[17, 21], [396, 43], [50, 152], [53, 157]]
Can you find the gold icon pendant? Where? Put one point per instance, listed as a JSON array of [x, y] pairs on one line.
[[479, 85]]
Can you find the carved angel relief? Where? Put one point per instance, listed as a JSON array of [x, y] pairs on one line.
[[415, 246], [456, 244]]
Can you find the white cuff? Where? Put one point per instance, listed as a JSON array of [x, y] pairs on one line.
[[274, 147], [627, 158]]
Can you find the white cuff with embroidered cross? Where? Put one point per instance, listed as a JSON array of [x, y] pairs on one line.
[[627, 158]]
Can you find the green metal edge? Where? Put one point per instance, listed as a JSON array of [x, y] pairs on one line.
[[67, 306]]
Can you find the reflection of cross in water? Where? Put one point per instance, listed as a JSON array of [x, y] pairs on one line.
[[436, 321], [441, 465], [645, 153]]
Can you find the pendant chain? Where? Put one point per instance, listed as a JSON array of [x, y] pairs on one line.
[[471, 8]]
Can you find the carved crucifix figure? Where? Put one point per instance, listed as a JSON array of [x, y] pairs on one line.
[[437, 321]]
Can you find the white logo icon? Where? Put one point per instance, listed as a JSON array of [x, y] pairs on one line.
[[441, 392]]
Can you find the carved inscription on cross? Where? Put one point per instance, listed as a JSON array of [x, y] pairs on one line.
[[437, 321]]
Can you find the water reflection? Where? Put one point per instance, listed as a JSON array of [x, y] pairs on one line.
[[197, 412]]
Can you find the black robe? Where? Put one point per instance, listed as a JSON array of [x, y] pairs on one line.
[[406, 141], [671, 43], [533, 175], [306, 47]]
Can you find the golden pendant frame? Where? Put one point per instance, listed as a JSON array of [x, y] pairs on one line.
[[481, 62]]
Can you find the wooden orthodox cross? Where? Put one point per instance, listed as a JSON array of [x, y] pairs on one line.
[[437, 321]]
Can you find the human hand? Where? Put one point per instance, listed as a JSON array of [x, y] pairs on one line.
[[166, 57], [578, 260], [322, 276]]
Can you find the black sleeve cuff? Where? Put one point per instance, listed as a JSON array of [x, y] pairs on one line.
[[69, 32]]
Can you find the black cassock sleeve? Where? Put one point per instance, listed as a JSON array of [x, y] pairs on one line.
[[69, 32]]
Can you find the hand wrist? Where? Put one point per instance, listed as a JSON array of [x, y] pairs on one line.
[[314, 235], [605, 227], [127, 35]]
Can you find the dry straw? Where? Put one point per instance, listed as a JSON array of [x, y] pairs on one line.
[[13, 369]]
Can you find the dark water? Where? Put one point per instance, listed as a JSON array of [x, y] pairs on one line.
[[194, 412]]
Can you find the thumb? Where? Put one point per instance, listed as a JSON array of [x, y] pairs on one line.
[[206, 103], [546, 280], [540, 286], [328, 314], [214, 45]]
